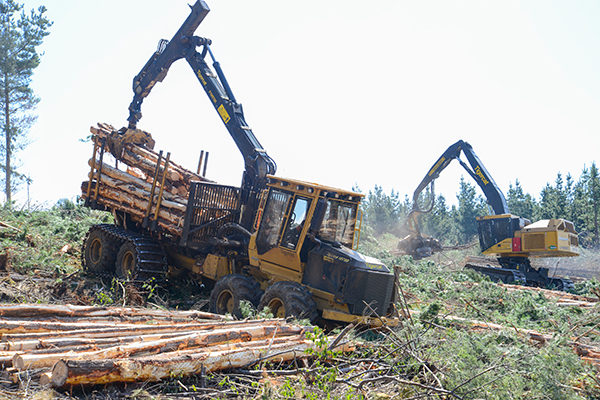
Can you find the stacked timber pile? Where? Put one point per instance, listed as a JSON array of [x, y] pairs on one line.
[[77, 345], [151, 186]]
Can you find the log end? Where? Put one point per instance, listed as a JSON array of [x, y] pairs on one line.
[[18, 362], [59, 374], [46, 379]]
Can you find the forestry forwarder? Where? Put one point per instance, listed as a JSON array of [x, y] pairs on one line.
[[512, 239], [282, 243]]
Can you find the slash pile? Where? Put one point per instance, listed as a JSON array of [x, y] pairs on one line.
[[77, 345]]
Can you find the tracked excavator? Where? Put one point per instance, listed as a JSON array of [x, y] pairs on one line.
[[274, 242], [512, 239]]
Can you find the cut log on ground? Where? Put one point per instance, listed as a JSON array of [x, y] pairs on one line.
[[151, 369], [84, 353]]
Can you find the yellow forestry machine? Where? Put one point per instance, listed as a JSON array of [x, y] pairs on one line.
[[280, 243], [514, 240]]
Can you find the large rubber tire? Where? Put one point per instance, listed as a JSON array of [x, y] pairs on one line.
[[289, 300], [100, 251], [230, 290], [126, 264]]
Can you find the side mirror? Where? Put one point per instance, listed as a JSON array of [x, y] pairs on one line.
[[318, 216]]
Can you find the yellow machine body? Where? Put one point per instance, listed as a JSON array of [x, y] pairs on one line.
[[511, 236]]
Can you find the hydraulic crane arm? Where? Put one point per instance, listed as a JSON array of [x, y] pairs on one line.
[[477, 171], [194, 50], [416, 243]]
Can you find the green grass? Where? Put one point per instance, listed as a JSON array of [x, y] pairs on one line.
[[34, 239]]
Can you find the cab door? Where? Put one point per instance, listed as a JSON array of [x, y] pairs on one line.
[[281, 233]]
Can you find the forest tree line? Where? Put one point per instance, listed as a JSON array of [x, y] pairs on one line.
[[577, 201]]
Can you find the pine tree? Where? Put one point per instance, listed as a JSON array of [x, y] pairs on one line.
[[20, 37], [594, 198], [520, 203], [554, 200], [383, 213], [438, 222], [580, 206], [470, 206]]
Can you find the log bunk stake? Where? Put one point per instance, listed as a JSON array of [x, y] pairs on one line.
[[152, 189]]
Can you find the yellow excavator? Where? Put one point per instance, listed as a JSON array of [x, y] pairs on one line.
[[512, 239]]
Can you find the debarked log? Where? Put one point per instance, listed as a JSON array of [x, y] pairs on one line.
[[134, 153], [113, 199], [194, 340], [68, 310], [11, 327], [62, 343], [10, 348], [140, 194], [85, 372], [137, 186], [135, 330]]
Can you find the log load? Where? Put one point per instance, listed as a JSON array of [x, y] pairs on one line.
[[147, 179], [58, 352]]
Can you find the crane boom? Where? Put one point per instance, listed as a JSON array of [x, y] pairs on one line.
[[184, 45], [478, 172]]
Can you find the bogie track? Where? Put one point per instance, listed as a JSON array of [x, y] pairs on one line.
[[127, 255]]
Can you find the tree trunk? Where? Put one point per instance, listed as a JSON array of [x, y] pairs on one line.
[[7, 135]]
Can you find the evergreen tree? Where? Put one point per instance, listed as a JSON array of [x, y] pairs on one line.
[[580, 205], [569, 187], [20, 37], [383, 213], [438, 222], [470, 206], [554, 200], [520, 203], [594, 198]]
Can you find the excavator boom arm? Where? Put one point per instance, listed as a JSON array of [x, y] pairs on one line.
[[477, 171]]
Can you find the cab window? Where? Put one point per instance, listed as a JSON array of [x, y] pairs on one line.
[[295, 223], [272, 220], [338, 224]]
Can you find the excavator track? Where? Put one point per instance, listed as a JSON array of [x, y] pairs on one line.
[[149, 257], [507, 272], [498, 274]]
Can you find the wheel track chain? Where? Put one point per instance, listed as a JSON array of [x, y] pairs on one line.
[[150, 255]]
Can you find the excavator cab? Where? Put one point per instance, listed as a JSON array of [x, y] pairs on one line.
[[499, 231]]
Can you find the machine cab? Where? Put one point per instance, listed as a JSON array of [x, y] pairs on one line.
[[293, 217]]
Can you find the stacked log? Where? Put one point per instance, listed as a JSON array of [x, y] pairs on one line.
[[563, 299], [45, 341], [130, 190]]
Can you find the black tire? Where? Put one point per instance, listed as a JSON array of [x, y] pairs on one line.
[[100, 251], [230, 290], [127, 267], [289, 300]]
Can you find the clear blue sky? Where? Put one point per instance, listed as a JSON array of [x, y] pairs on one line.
[[338, 92]]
